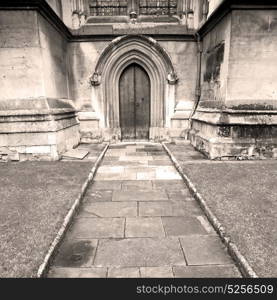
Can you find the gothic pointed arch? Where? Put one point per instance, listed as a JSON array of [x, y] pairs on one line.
[[146, 52]]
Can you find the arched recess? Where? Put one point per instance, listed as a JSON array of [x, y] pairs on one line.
[[120, 53]]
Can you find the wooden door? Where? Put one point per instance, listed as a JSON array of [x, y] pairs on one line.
[[134, 93]]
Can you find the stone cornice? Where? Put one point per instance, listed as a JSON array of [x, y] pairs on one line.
[[228, 5]]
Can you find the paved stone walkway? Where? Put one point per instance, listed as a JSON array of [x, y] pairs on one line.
[[138, 219]]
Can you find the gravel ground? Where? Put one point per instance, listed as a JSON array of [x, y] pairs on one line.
[[243, 196], [34, 199]]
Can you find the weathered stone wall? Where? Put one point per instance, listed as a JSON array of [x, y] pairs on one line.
[[35, 122], [237, 116], [215, 61], [253, 60], [21, 64], [83, 57], [33, 57], [54, 60]]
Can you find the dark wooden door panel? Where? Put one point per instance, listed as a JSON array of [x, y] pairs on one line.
[[134, 90], [127, 103], [142, 100]]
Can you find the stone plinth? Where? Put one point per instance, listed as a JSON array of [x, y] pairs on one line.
[[32, 129]]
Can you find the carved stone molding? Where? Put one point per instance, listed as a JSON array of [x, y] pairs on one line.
[[147, 41], [119, 54]]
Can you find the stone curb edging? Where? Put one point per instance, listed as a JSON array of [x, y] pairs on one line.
[[233, 250], [68, 218]]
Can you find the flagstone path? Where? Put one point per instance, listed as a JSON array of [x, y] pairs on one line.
[[138, 219]]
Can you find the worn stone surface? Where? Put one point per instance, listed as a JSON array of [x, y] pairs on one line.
[[215, 271], [204, 250], [76, 253], [91, 272], [93, 195], [144, 227], [168, 208], [156, 272], [86, 228], [109, 209], [178, 226], [106, 185], [123, 272], [141, 196], [139, 252]]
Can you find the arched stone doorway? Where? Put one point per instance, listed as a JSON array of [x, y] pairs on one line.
[[153, 59]]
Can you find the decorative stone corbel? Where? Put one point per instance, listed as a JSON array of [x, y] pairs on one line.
[[172, 78], [95, 79]]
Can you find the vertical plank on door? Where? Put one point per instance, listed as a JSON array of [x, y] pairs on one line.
[[142, 103], [127, 103]]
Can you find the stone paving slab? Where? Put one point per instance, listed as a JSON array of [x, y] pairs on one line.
[[124, 272], [106, 185], [169, 184], [180, 195], [110, 169], [93, 195], [137, 185], [215, 271], [93, 228], [159, 163], [76, 253], [141, 195], [146, 175], [91, 272], [168, 209], [178, 226], [144, 227], [109, 209], [156, 272], [138, 252], [204, 250]]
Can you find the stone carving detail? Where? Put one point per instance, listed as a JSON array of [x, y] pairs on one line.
[[172, 78], [95, 79]]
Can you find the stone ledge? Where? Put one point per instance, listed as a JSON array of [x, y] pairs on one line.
[[236, 117]]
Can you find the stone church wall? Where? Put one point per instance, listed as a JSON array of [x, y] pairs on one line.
[[236, 116], [36, 119], [83, 57]]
